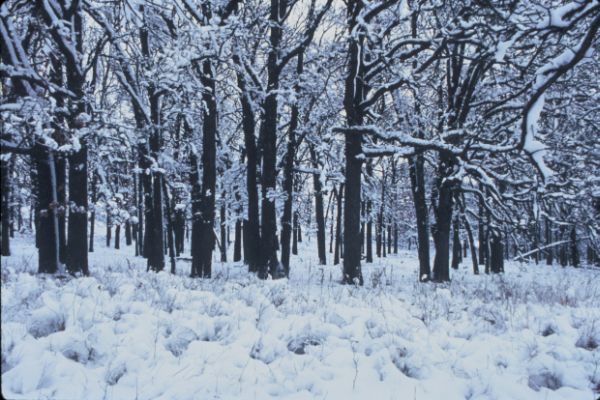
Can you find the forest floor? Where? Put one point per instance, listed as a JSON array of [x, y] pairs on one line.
[[124, 333]]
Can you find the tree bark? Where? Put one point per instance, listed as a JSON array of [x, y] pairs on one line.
[[237, 241], [251, 225], [5, 207], [470, 237], [443, 217], [481, 233], [456, 250], [108, 227], [269, 263], [338, 229], [179, 231], [205, 237], [574, 247], [389, 238], [288, 177], [47, 200], [61, 192], [353, 96], [549, 252], [77, 250], [139, 199], [496, 252], [223, 213], [196, 215], [319, 212], [295, 233], [127, 233], [93, 210], [170, 228], [417, 185], [118, 237]]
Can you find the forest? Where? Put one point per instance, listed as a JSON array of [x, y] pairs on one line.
[[199, 146]]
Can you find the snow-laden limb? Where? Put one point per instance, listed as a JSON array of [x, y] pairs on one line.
[[401, 138], [125, 74], [533, 147], [307, 170], [545, 77], [563, 16], [504, 46]]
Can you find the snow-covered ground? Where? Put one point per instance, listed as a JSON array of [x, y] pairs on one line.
[[124, 333]]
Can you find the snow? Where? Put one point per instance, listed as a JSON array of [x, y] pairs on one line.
[[532, 146], [504, 46], [562, 16], [532, 333]]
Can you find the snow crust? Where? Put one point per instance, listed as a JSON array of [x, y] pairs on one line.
[[124, 333]]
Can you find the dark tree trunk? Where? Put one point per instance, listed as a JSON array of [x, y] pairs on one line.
[[223, 233], [156, 259], [152, 182], [245, 241], [237, 241], [456, 250], [77, 245], [108, 228], [146, 187], [61, 192], [269, 263], [574, 247], [564, 259], [179, 231], [443, 218], [93, 213], [536, 240], [170, 240], [496, 253], [470, 237], [140, 214], [205, 237], [389, 238], [5, 207], [369, 234], [417, 184], [47, 199], [549, 251], [128, 233], [288, 178], [13, 206], [380, 222], [395, 238], [319, 213], [353, 96], [299, 233], [332, 224], [481, 233], [379, 232], [118, 236], [338, 229], [383, 239], [251, 225], [295, 233], [363, 218], [196, 215], [487, 252], [35, 203]]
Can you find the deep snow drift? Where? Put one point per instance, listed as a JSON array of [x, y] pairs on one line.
[[123, 333]]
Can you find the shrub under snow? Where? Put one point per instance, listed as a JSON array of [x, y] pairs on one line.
[[124, 333]]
